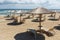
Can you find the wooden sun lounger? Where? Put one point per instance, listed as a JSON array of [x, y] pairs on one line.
[[33, 32], [47, 32], [15, 22], [37, 19], [53, 18]]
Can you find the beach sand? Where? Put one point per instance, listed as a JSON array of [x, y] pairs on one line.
[[18, 32]]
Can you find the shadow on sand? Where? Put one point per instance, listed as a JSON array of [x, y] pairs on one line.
[[28, 36], [53, 19], [8, 19], [37, 21], [15, 23], [57, 27]]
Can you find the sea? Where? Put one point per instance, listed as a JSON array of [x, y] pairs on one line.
[[4, 12]]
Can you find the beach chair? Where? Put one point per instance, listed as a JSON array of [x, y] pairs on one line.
[[59, 17], [53, 19], [15, 22], [52, 14], [33, 32], [11, 18], [48, 32], [32, 15], [7, 16], [37, 19], [27, 16], [23, 20]]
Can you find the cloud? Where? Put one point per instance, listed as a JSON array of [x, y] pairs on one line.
[[18, 6], [1, 1], [15, 1], [55, 4], [23, 1], [30, 1], [45, 3]]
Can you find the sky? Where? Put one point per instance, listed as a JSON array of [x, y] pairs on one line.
[[29, 4]]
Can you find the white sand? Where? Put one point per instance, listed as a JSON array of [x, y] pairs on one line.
[[8, 32]]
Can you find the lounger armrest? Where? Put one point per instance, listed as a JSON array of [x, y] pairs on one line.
[[31, 30]]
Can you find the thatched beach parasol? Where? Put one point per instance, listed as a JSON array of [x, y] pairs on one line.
[[39, 11], [19, 12]]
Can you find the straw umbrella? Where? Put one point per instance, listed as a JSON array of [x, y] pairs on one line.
[[19, 12], [40, 11], [9, 11], [13, 11]]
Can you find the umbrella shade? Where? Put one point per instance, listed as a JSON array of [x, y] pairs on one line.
[[40, 10], [13, 10], [19, 11], [9, 10]]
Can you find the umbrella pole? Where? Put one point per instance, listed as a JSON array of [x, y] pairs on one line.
[[54, 15], [10, 14], [32, 15], [51, 15], [40, 16], [29, 16], [20, 18], [14, 13]]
